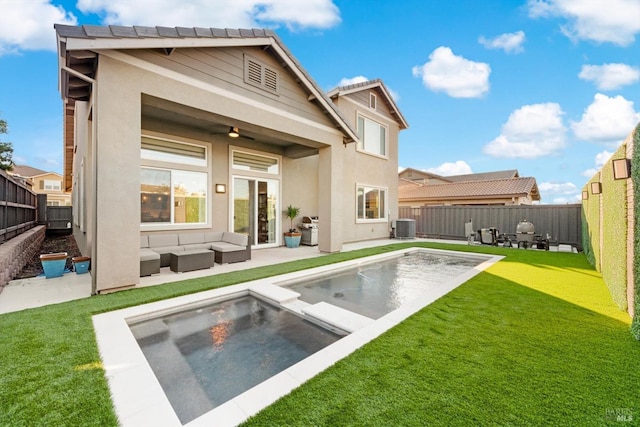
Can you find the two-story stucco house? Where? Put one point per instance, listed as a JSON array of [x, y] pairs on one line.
[[42, 182], [174, 129]]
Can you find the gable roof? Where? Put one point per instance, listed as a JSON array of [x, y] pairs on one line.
[[28, 171], [368, 85], [421, 175], [485, 176], [513, 187], [84, 40]]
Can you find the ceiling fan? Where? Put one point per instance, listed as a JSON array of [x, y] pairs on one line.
[[233, 132]]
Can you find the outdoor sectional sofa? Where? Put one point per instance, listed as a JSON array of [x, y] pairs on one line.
[[156, 249]]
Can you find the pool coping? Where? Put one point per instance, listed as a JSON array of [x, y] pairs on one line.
[[137, 396]]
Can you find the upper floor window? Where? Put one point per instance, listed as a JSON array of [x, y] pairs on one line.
[[50, 184], [373, 136]]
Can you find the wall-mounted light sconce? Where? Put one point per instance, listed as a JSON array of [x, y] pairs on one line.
[[221, 188], [585, 195], [596, 188], [234, 132], [621, 168]]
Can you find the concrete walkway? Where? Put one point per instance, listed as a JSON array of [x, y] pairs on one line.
[[39, 291]]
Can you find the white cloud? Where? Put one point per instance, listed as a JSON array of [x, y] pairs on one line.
[[614, 21], [557, 188], [610, 76], [601, 158], [606, 120], [455, 75], [293, 14], [459, 167], [510, 42], [346, 81], [531, 131], [577, 198], [28, 25]]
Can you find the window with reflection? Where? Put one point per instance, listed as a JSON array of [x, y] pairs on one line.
[[173, 183]]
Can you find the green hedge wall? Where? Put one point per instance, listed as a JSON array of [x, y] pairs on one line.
[[635, 177], [614, 231], [591, 224]]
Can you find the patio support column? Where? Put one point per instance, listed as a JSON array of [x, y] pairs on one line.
[[330, 199]]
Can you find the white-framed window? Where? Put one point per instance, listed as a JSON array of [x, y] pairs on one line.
[[252, 162], [373, 136], [52, 185], [174, 184], [371, 203]]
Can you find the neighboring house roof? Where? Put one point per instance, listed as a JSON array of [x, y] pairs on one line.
[[88, 38], [28, 171], [514, 187], [418, 175], [485, 176], [368, 85]]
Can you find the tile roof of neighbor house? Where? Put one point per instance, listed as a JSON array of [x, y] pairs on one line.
[[371, 84], [471, 189], [27, 171], [484, 176], [94, 37]]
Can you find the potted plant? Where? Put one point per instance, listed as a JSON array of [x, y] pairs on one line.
[[293, 236]]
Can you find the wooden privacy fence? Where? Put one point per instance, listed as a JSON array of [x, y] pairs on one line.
[[563, 223], [17, 207]]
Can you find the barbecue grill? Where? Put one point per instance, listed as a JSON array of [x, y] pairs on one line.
[[526, 236]]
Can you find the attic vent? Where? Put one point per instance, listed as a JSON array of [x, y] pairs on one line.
[[259, 75]]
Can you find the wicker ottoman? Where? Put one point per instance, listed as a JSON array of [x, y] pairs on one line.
[[196, 259]]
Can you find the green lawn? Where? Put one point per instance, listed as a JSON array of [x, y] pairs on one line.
[[534, 340]]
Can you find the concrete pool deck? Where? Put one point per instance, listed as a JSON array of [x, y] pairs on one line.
[[39, 291]]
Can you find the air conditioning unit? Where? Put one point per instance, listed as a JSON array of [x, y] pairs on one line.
[[405, 228]]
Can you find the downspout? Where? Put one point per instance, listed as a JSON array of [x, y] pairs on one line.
[[94, 170]]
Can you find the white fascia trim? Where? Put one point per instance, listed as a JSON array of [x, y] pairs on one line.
[[399, 117], [365, 111], [173, 75], [159, 42], [293, 67]]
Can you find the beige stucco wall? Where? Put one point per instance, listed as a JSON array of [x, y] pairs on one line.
[[118, 129], [369, 170]]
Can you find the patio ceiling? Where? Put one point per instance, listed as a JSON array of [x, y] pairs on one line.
[[160, 111]]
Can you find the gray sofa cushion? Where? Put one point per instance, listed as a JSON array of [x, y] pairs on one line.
[[147, 254], [235, 238], [213, 236], [227, 247], [190, 238], [195, 246], [160, 240]]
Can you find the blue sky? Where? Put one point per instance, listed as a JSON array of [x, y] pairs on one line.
[[548, 87]]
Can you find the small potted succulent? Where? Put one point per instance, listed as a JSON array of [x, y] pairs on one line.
[[293, 236]]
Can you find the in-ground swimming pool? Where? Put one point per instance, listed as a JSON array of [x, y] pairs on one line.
[[376, 289], [137, 393], [205, 356]]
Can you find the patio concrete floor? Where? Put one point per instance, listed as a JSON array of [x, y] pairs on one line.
[[39, 291]]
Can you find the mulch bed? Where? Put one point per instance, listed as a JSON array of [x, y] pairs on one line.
[[51, 244]]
